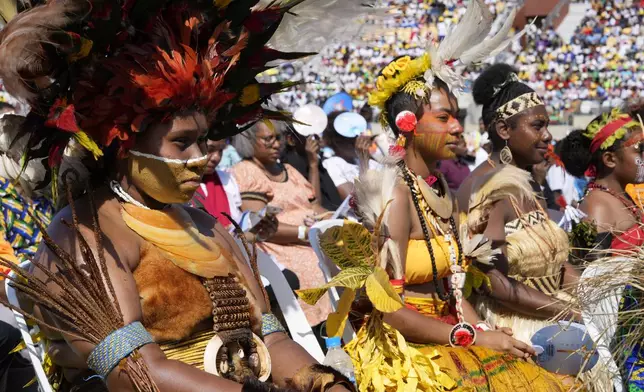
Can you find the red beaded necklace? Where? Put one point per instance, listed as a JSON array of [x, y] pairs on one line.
[[637, 213]]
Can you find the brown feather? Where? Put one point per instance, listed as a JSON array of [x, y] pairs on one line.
[[27, 43]]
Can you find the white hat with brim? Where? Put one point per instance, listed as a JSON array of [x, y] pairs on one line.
[[313, 118]]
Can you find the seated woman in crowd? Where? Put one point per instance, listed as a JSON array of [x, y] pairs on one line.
[[421, 221], [263, 181], [533, 270], [302, 151], [611, 151], [344, 135]]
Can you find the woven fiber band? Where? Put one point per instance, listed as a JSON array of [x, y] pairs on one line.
[[116, 346], [519, 104], [270, 324]]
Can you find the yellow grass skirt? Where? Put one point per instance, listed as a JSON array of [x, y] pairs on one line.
[[384, 362]]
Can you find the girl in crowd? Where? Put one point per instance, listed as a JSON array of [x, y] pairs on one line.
[[264, 181], [421, 221], [610, 152], [530, 274], [140, 85]]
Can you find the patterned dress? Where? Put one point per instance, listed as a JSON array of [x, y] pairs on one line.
[[633, 369], [295, 197], [19, 231]]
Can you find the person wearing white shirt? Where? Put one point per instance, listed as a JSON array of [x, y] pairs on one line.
[[350, 150]]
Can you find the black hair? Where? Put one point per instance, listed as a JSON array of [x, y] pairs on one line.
[[331, 136], [492, 79], [404, 101], [575, 151]]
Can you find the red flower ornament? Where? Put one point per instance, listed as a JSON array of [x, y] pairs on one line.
[[464, 338], [406, 121]]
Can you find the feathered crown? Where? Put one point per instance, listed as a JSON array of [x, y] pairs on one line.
[[466, 44], [100, 71]]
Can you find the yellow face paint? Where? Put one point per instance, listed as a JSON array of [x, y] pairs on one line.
[[166, 180], [434, 138]]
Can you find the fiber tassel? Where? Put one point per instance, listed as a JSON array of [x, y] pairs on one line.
[[84, 300]]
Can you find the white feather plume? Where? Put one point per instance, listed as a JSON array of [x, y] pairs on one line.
[[374, 189], [473, 28], [314, 24], [494, 45], [467, 43]]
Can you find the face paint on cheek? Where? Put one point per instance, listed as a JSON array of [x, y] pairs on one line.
[[639, 177], [432, 136], [166, 180]]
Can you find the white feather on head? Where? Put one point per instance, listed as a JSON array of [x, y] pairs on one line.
[[466, 44]]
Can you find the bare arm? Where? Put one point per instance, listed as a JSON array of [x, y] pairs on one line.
[[345, 190], [168, 375]]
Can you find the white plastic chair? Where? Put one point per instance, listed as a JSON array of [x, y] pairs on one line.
[[600, 311], [32, 351], [329, 270], [296, 321]]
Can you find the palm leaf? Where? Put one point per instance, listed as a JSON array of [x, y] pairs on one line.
[[348, 246]]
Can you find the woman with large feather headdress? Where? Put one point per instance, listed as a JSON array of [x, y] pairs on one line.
[[431, 339], [134, 290]]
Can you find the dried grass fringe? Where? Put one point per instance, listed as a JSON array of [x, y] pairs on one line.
[[83, 301]]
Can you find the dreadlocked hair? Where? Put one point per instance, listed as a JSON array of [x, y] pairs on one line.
[[493, 89], [575, 148], [404, 100]]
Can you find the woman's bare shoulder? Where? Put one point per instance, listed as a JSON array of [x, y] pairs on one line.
[[72, 222]]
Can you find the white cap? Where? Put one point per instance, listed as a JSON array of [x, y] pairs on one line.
[[350, 124], [314, 118]]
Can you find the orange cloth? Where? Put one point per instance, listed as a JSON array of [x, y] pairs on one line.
[[6, 253]]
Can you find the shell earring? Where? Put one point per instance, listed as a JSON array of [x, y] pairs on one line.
[[505, 156]]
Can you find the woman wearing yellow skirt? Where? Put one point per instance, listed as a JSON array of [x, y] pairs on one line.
[[433, 340]]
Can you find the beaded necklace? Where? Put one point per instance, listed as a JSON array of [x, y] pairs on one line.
[[444, 296], [632, 208]]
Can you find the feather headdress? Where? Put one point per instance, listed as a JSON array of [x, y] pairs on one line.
[[100, 71], [466, 44]]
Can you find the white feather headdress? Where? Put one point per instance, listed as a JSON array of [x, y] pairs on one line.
[[466, 44], [314, 24]]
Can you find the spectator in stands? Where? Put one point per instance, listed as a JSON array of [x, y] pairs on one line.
[[219, 196], [303, 153], [264, 181]]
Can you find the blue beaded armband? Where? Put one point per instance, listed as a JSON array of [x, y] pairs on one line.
[[116, 346], [270, 324]]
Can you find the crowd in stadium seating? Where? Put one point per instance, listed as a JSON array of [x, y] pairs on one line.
[[600, 64]]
